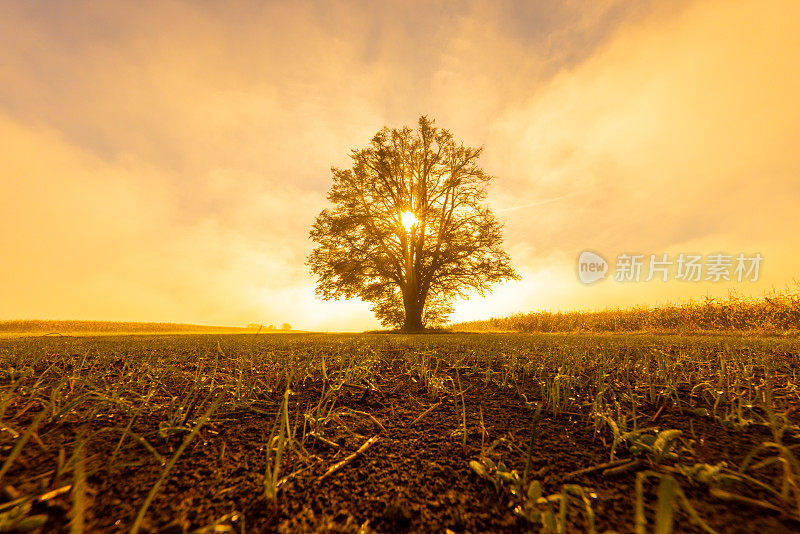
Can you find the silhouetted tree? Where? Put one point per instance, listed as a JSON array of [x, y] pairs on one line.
[[408, 229]]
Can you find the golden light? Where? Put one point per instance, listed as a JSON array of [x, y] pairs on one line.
[[408, 219]]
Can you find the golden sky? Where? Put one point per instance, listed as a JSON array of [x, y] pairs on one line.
[[164, 161]]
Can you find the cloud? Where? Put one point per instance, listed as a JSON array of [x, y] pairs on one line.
[[676, 136], [164, 161]]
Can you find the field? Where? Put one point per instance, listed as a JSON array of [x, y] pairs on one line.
[[399, 433], [777, 313], [99, 328]]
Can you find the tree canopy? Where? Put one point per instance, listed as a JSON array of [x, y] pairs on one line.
[[408, 229]]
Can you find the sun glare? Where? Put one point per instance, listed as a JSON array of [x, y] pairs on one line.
[[409, 220]]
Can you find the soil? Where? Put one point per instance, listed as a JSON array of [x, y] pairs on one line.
[[415, 478]]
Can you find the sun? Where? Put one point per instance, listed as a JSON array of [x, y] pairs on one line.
[[409, 220]]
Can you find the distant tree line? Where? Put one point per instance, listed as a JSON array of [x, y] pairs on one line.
[[45, 327], [284, 326]]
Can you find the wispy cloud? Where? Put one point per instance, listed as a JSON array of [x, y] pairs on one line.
[[538, 203]]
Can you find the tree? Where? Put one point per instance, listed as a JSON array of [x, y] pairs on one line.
[[408, 230]]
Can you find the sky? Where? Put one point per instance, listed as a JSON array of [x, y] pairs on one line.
[[164, 161]]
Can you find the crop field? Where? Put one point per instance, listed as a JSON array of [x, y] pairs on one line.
[[777, 313], [399, 433]]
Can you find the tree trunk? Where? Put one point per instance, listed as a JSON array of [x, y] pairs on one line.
[[413, 320], [413, 305], [411, 300]]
